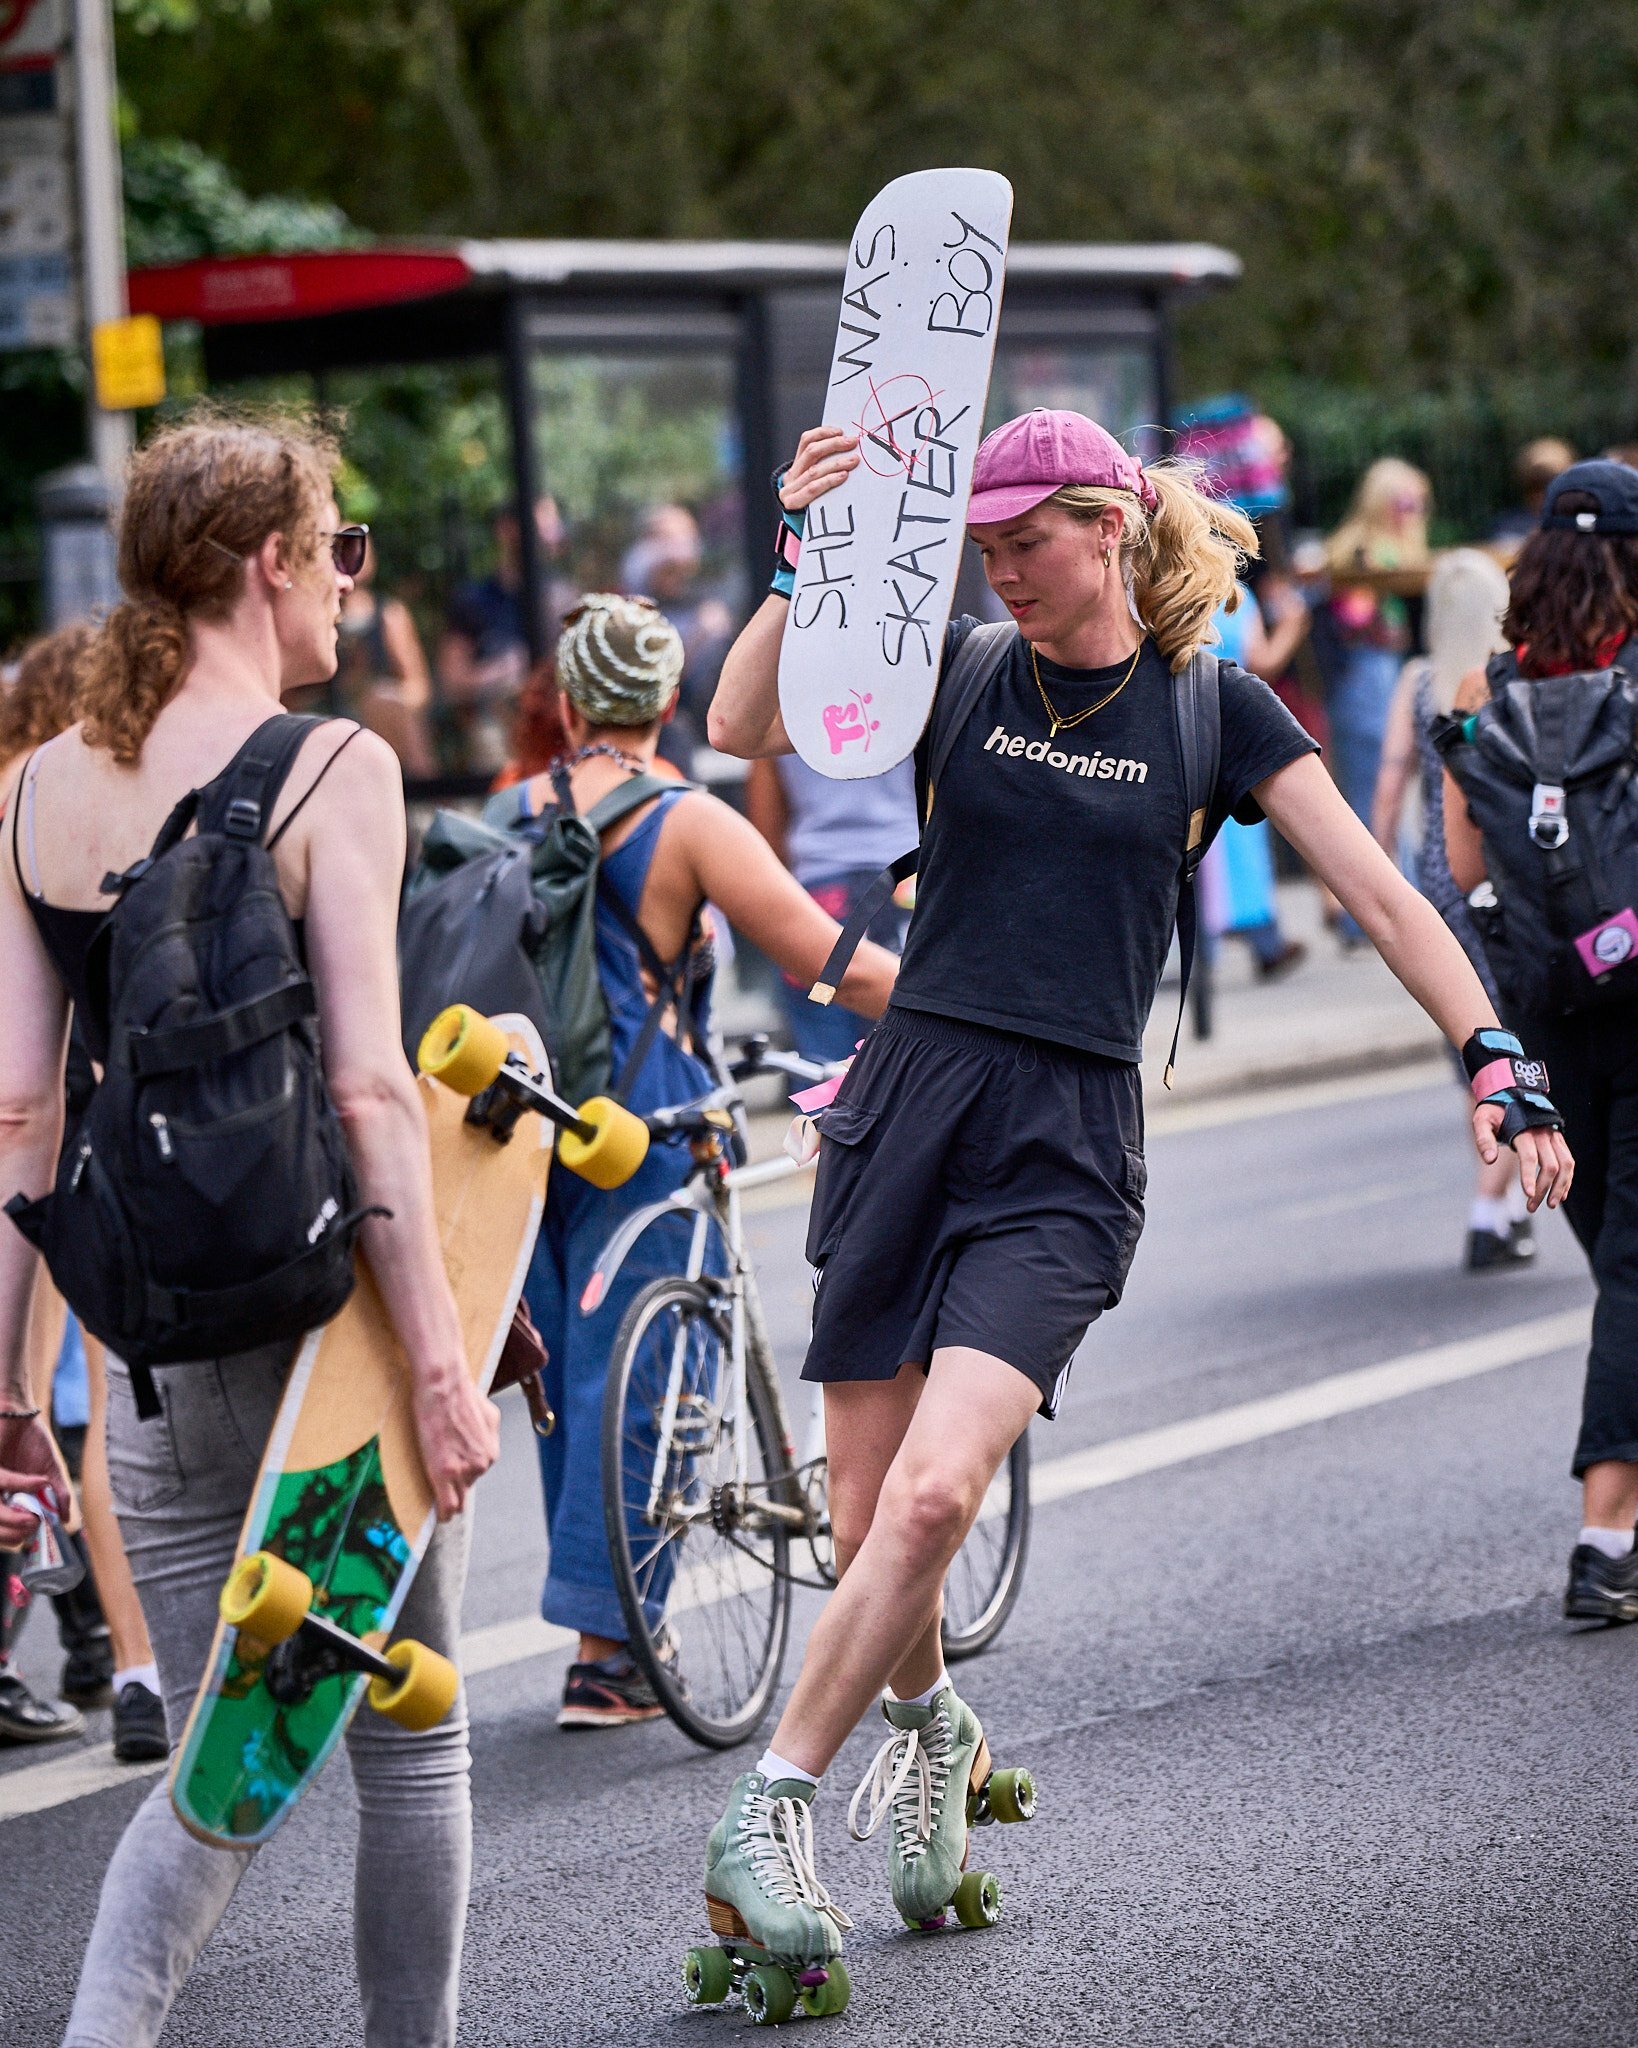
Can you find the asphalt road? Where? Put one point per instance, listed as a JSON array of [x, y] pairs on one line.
[[1319, 1761]]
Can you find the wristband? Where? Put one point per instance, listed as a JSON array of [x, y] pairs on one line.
[[787, 544], [1500, 1072]]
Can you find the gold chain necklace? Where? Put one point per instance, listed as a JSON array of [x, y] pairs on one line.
[[1059, 722]]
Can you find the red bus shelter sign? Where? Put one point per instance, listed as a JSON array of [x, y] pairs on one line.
[[220, 289]]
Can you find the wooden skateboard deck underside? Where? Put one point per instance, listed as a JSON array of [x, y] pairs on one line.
[[342, 1493]]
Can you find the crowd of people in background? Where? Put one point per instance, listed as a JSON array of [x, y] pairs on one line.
[[1364, 633]]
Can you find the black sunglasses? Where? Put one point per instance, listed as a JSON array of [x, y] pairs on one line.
[[348, 547]]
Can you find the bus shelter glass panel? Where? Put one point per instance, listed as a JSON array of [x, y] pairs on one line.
[[641, 469], [1111, 380]]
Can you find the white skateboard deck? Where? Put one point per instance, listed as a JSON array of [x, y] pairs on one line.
[[920, 305]]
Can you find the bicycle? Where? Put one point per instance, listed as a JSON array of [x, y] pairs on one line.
[[712, 1520]]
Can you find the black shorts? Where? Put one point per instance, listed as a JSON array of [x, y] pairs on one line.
[[974, 1188]]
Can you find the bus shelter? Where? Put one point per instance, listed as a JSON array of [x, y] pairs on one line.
[[645, 375]]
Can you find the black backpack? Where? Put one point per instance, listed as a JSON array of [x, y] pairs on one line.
[[204, 1202], [500, 912], [1199, 710], [1546, 767]]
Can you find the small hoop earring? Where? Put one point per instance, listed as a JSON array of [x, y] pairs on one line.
[[1105, 559]]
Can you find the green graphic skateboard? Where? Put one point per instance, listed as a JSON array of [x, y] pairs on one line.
[[342, 1513]]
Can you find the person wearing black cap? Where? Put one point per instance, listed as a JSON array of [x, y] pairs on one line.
[[1541, 828]]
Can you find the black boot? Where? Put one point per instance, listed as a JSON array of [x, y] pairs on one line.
[[88, 1665]]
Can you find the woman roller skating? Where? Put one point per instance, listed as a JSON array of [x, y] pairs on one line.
[[981, 1178]]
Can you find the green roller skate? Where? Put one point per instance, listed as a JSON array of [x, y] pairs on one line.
[[780, 1932], [933, 1777]]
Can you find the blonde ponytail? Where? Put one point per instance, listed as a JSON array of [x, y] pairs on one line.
[[1180, 560]]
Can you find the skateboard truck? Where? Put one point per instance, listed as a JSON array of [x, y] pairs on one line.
[[269, 1601], [601, 1141], [319, 1650]]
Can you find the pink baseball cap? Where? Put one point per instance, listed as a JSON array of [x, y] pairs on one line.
[[1021, 464]]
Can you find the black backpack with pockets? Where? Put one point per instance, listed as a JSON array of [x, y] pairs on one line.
[[973, 666], [204, 1202], [1546, 768]]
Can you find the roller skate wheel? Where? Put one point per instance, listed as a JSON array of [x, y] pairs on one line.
[[616, 1148], [978, 1899], [266, 1597], [1011, 1795], [708, 1975], [423, 1695], [824, 2001], [769, 1995], [463, 1049]]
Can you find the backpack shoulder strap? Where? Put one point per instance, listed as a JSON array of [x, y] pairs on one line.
[[1199, 703], [1200, 739], [971, 668], [626, 797], [239, 802]]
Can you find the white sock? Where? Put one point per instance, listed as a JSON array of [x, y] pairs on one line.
[[137, 1674], [773, 1766], [1489, 1213], [1517, 1207], [924, 1699], [1613, 1542]]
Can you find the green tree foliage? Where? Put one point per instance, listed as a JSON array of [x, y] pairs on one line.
[[1423, 195]]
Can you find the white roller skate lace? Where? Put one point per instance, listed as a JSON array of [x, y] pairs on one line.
[[908, 1753], [777, 1837]]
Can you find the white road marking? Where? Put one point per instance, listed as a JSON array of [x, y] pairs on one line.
[[1366, 1196], [1340, 1393], [75, 1776], [35, 1787]]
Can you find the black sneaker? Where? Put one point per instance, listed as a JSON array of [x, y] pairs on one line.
[[139, 1726], [607, 1693], [1487, 1249], [25, 1717], [88, 1671], [1601, 1588]]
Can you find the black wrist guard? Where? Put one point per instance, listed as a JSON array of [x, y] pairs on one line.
[[1500, 1073]]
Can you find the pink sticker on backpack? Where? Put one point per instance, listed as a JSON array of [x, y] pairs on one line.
[[1608, 945]]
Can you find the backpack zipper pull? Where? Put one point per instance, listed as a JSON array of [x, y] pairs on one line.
[[162, 1136], [81, 1160]]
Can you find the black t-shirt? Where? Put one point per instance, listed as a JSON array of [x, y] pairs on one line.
[[1049, 867]]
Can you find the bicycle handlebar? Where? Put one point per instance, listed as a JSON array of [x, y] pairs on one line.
[[704, 1113]]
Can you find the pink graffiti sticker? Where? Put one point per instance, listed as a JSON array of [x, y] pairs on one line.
[[850, 724]]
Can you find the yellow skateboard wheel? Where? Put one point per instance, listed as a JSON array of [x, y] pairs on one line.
[[423, 1695], [266, 1597], [463, 1049], [612, 1154]]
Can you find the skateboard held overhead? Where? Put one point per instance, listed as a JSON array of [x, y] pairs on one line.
[[921, 302]]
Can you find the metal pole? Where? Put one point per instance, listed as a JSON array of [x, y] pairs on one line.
[[102, 218], [520, 407]]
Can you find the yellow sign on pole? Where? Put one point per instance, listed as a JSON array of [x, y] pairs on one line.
[[128, 362]]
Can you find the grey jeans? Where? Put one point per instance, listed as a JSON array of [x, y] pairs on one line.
[[181, 1485]]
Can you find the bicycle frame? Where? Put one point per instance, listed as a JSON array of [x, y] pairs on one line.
[[711, 1195]]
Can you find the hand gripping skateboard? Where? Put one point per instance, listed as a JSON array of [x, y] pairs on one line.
[[864, 636], [341, 1514]]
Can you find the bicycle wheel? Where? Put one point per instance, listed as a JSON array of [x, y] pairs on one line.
[[988, 1570], [700, 1555]]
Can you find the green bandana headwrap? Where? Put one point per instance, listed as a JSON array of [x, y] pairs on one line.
[[619, 659]]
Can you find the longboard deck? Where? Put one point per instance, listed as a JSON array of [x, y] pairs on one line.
[[921, 301], [341, 1492]]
